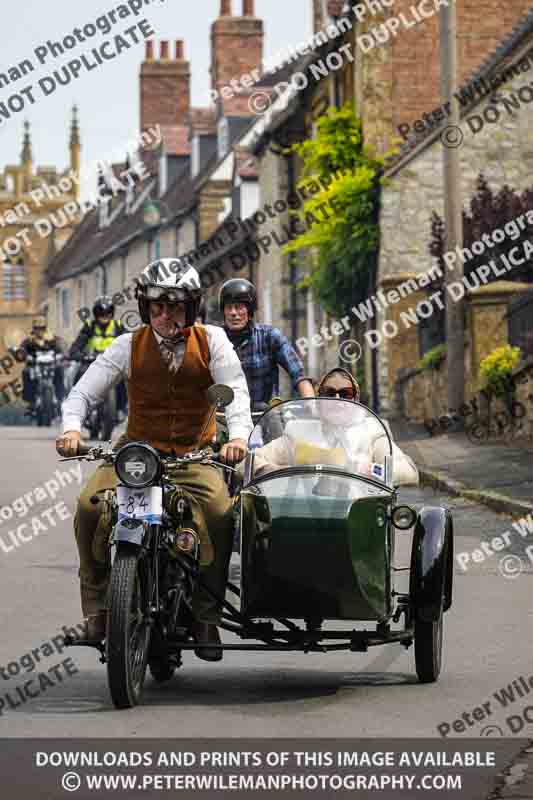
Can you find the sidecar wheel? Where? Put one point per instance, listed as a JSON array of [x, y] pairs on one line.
[[428, 649], [128, 630]]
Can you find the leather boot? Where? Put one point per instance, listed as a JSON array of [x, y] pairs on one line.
[[94, 629], [206, 633]]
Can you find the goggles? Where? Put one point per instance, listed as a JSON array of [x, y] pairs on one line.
[[344, 394], [162, 294]]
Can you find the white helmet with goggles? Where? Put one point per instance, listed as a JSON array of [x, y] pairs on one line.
[[170, 280]]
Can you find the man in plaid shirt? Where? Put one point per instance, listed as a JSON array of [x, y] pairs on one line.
[[261, 348]]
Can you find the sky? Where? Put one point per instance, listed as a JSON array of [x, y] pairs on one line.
[[108, 96]]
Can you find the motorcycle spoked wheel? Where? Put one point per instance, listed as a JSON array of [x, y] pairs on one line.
[[108, 416], [162, 666], [128, 628], [45, 410]]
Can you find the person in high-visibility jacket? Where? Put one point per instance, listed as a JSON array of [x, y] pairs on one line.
[[96, 336]]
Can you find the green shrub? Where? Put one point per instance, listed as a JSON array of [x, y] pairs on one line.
[[433, 358], [497, 369]]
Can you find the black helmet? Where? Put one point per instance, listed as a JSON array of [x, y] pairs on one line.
[[173, 279], [103, 306], [238, 290]]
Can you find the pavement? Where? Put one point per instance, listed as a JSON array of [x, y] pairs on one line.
[[496, 474]]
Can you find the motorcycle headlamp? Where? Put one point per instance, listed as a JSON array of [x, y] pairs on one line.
[[403, 517], [161, 293], [137, 465]]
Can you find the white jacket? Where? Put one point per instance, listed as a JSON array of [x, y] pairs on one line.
[[362, 446]]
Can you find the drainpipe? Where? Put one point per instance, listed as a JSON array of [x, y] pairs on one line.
[[291, 177]]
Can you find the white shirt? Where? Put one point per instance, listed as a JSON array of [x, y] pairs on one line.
[[114, 365]]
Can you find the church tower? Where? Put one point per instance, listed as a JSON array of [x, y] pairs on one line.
[[75, 147]]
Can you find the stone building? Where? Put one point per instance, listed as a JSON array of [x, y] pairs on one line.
[[496, 141], [34, 225], [197, 179], [394, 81]]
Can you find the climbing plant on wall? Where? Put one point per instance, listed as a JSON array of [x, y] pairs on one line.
[[339, 223]]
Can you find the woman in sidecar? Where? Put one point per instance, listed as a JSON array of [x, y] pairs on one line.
[[319, 515], [339, 435]]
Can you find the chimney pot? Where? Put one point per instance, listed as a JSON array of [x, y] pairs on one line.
[[164, 49], [179, 50], [225, 8], [248, 9], [149, 51]]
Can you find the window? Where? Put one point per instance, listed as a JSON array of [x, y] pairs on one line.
[[195, 156], [7, 280], [99, 281], [14, 280], [58, 306], [19, 282], [223, 137], [65, 307]]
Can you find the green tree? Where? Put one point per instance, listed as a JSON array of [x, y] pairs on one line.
[[340, 221]]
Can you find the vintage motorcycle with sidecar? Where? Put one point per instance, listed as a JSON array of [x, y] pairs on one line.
[[319, 516]]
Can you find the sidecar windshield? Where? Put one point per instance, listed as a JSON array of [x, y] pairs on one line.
[[322, 432]]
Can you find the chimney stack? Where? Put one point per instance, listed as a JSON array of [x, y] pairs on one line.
[[165, 87], [236, 50]]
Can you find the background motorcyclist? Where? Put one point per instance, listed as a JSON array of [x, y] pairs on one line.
[[169, 363], [262, 349], [95, 337], [41, 340]]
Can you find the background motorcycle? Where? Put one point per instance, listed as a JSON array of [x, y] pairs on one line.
[[42, 367], [102, 417]]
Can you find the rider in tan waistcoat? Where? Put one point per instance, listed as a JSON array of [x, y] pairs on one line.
[[169, 364]]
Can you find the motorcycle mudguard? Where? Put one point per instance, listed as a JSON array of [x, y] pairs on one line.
[[431, 576], [131, 531]]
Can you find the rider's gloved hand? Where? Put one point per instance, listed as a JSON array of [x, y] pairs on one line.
[[233, 451], [67, 444]]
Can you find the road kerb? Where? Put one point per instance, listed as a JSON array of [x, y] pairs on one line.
[[495, 501]]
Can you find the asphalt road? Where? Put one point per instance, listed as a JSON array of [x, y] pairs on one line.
[[487, 641]]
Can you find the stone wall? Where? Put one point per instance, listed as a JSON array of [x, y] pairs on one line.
[[503, 152], [422, 395]]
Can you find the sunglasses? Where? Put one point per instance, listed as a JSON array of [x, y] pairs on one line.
[[345, 394], [157, 306]]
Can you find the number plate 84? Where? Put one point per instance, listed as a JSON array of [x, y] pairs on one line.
[[145, 504]]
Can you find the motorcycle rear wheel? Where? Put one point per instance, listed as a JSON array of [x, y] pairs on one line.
[[128, 628], [108, 416]]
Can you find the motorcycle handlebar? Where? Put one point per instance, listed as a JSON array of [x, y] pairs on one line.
[[84, 448]]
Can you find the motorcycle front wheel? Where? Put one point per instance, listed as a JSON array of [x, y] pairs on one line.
[[45, 410], [128, 628]]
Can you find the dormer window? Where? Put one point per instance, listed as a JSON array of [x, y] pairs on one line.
[[195, 156], [223, 137]]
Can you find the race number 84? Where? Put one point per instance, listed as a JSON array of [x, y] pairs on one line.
[[146, 504]]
